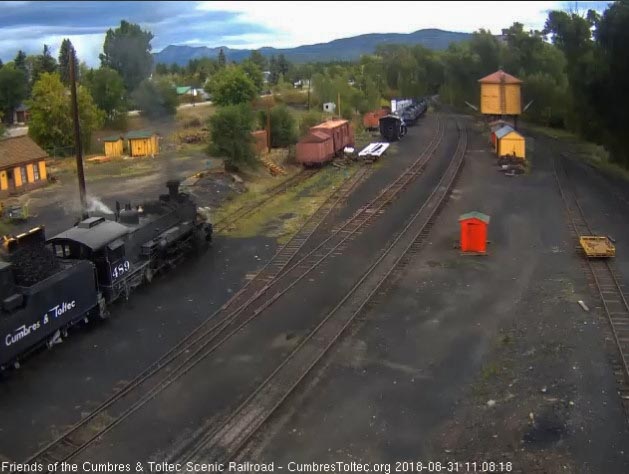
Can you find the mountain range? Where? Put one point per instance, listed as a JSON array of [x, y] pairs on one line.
[[344, 49]]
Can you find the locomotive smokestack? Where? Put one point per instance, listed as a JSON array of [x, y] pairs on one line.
[[173, 188]]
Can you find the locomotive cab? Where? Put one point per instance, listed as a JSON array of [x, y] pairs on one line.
[[103, 243]]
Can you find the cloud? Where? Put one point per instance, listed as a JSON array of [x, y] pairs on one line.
[[28, 25]]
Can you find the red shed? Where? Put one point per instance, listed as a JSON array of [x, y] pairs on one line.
[[315, 148], [371, 120], [340, 130], [474, 232]]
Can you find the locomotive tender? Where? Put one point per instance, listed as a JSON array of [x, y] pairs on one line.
[[47, 286]]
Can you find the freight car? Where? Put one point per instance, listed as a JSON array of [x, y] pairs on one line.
[[392, 128], [339, 135], [413, 112], [47, 286]]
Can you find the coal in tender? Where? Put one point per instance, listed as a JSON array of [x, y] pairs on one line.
[[32, 264]]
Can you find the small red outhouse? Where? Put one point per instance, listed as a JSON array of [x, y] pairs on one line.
[[474, 232]]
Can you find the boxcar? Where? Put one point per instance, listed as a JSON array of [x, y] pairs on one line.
[[341, 132], [315, 148]]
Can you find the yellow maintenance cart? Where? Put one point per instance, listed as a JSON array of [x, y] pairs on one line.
[[597, 247]]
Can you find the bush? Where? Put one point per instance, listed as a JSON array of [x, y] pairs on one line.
[[283, 129], [308, 120], [230, 129]]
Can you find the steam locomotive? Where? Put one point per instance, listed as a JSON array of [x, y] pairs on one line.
[[48, 286]]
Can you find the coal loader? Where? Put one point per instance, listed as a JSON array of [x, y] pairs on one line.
[[47, 286]]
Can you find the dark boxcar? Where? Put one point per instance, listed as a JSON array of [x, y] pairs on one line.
[[30, 315], [315, 148], [392, 128]]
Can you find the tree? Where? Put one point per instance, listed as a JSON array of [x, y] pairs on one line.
[[1, 64], [253, 72], [222, 60], [283, 127], [607, 93], [20, 61], [161, 69], [65, 53], [107, 89], [156, 99], [231, 85], [230, 129], [257, 58], [274, 72], [282, 65], [40, 64], [13, 90], [127, 49], [51, 118]]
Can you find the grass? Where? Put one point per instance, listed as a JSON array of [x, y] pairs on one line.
[[296, 205], [591, 153]]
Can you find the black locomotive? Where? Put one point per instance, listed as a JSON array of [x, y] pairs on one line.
[[47, 286]]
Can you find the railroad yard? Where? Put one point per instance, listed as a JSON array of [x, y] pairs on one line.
[[366, 335]]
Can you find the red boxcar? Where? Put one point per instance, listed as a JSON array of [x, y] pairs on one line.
[[341, 132], [315, 148]]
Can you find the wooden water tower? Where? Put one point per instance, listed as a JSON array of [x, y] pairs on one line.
[[500, 96]]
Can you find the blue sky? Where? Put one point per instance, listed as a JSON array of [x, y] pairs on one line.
[[28, 25]]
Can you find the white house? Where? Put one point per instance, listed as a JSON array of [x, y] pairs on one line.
[[329, 107]]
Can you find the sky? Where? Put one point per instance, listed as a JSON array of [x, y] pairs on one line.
[[248, 25]]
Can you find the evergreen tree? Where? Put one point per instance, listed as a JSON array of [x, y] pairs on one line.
[[20, 61], [222, 60], [65, 53]]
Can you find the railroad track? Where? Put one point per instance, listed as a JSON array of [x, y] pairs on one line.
[[227, 221], [607, 281], [82, 434], [220, 443], [243, 307]]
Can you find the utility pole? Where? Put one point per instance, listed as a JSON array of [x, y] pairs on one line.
[[77, 135], [309, 80], [268, 127]]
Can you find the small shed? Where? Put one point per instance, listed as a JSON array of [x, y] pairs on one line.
[[315, 148], [329, 107], [500, 94], [22, 165], [142, 143], [21, 114], [510, 142], [474, 232], [494, 127], [113, 146]]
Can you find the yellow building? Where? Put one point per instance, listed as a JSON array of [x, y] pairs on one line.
[[113, 146], [142, 143], [510, 142], [22, 165], [500, 94]]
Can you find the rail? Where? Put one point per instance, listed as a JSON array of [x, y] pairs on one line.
[[222, 443], [198, 344], [607, 281]]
